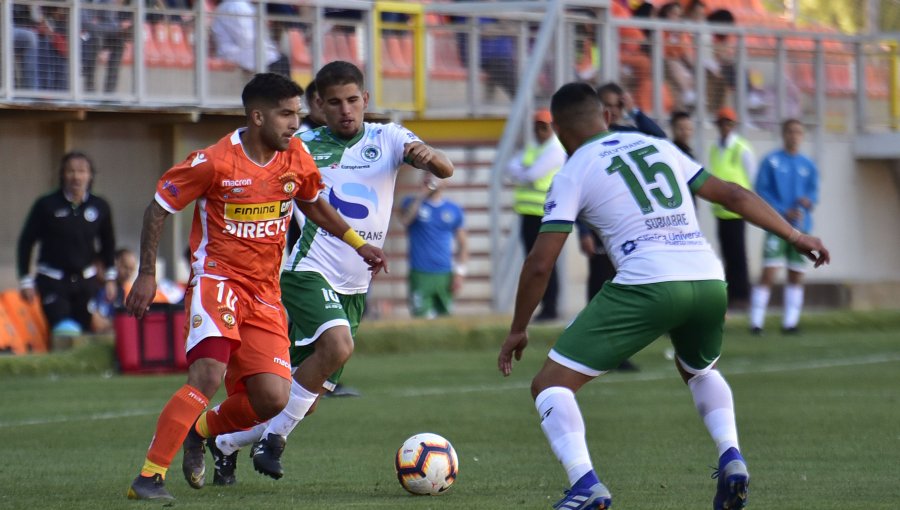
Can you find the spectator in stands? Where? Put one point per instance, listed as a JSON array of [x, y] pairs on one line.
[[789, 182], [25, 45], [497, 54], [731, 159], [103, 30], [695, 11], [683, 132], [532, 170], [74, 229], [53, 47], [679, 66], [234, 35], [720, 66], [433, 224], [104, 305], [624, 115]]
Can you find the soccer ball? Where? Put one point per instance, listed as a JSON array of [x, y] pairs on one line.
[[426, 464]]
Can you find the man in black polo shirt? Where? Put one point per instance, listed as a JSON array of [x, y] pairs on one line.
[[75, 232]]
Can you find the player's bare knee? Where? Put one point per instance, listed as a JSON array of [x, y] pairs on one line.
[[268, 403], [206, 375], [335, 348]]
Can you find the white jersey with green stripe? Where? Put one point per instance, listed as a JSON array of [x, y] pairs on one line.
[[359, 176], [634, 191]]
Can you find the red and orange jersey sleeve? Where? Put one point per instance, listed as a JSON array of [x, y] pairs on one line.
[[186, 181]]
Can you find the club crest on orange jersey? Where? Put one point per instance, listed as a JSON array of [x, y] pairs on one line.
[[227, 317], [288, 183], [196, 321]]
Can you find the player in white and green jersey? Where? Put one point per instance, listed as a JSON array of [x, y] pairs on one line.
[[634, 191], [323, 287]]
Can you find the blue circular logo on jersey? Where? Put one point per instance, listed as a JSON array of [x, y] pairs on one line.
[[371, 153]]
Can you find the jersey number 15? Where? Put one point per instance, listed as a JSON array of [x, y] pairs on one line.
[[650, 173]]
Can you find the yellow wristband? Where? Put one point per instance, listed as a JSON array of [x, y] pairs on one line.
[[352, 238]]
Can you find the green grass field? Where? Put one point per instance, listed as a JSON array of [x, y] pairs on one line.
[[818, 418]]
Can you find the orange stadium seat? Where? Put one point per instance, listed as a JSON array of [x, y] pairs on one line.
[[152, 55], [839, 80], [329, 47], [445, 61], [29, 330], [301, 59], [164, 44], [184, 51], [396, 63]]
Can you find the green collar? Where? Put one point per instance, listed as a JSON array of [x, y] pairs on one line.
[[343, 141]]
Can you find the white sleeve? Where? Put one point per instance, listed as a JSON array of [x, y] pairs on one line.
[[400, 136], [749, 162], [563, 200]]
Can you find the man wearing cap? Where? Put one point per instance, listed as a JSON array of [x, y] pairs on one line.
[[731, 159], [531, 171]]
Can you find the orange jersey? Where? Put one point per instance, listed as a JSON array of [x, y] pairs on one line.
[[243, 209]]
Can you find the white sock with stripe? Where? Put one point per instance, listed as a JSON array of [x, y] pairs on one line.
[[298, 405], [712, 396], [563, 425]]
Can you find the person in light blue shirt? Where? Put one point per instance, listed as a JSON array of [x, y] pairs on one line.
[[433, 224], [789, 182]]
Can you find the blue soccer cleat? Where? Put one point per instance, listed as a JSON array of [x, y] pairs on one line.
[[596, 497], [733, 482]]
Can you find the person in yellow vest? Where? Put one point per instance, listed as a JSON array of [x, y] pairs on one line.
[[731, 159], [531, 171]]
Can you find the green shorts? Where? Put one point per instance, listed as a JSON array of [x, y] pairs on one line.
[[777, 253], [429, 294], [623, 319], [313, 307]]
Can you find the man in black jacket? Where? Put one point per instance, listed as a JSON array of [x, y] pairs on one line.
[[69, 224]]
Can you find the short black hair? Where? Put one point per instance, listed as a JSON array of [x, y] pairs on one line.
[[611, 87], [339, 72], [69, 156], [678, 115], [789, 122], [570, 98], [311, 90], [269, 89]]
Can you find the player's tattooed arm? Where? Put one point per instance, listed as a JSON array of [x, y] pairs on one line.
[[144, 288]]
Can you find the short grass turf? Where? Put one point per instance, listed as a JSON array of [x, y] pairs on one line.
[[817, 414]]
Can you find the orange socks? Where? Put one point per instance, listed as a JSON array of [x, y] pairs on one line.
[[172, 427], [234, 414]]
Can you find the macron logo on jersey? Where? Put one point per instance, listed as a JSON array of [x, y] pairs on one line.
[[232, 183], [199, 158]]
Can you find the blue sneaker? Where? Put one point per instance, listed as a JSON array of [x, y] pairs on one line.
[[596, 497], [733, 482]]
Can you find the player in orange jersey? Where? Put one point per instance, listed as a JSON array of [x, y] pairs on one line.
[[245, 187]]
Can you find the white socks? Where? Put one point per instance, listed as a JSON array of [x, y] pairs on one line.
[[297, 407], [712, 396], [793, 303], [230, 443], [759, 300], [564, 427]]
